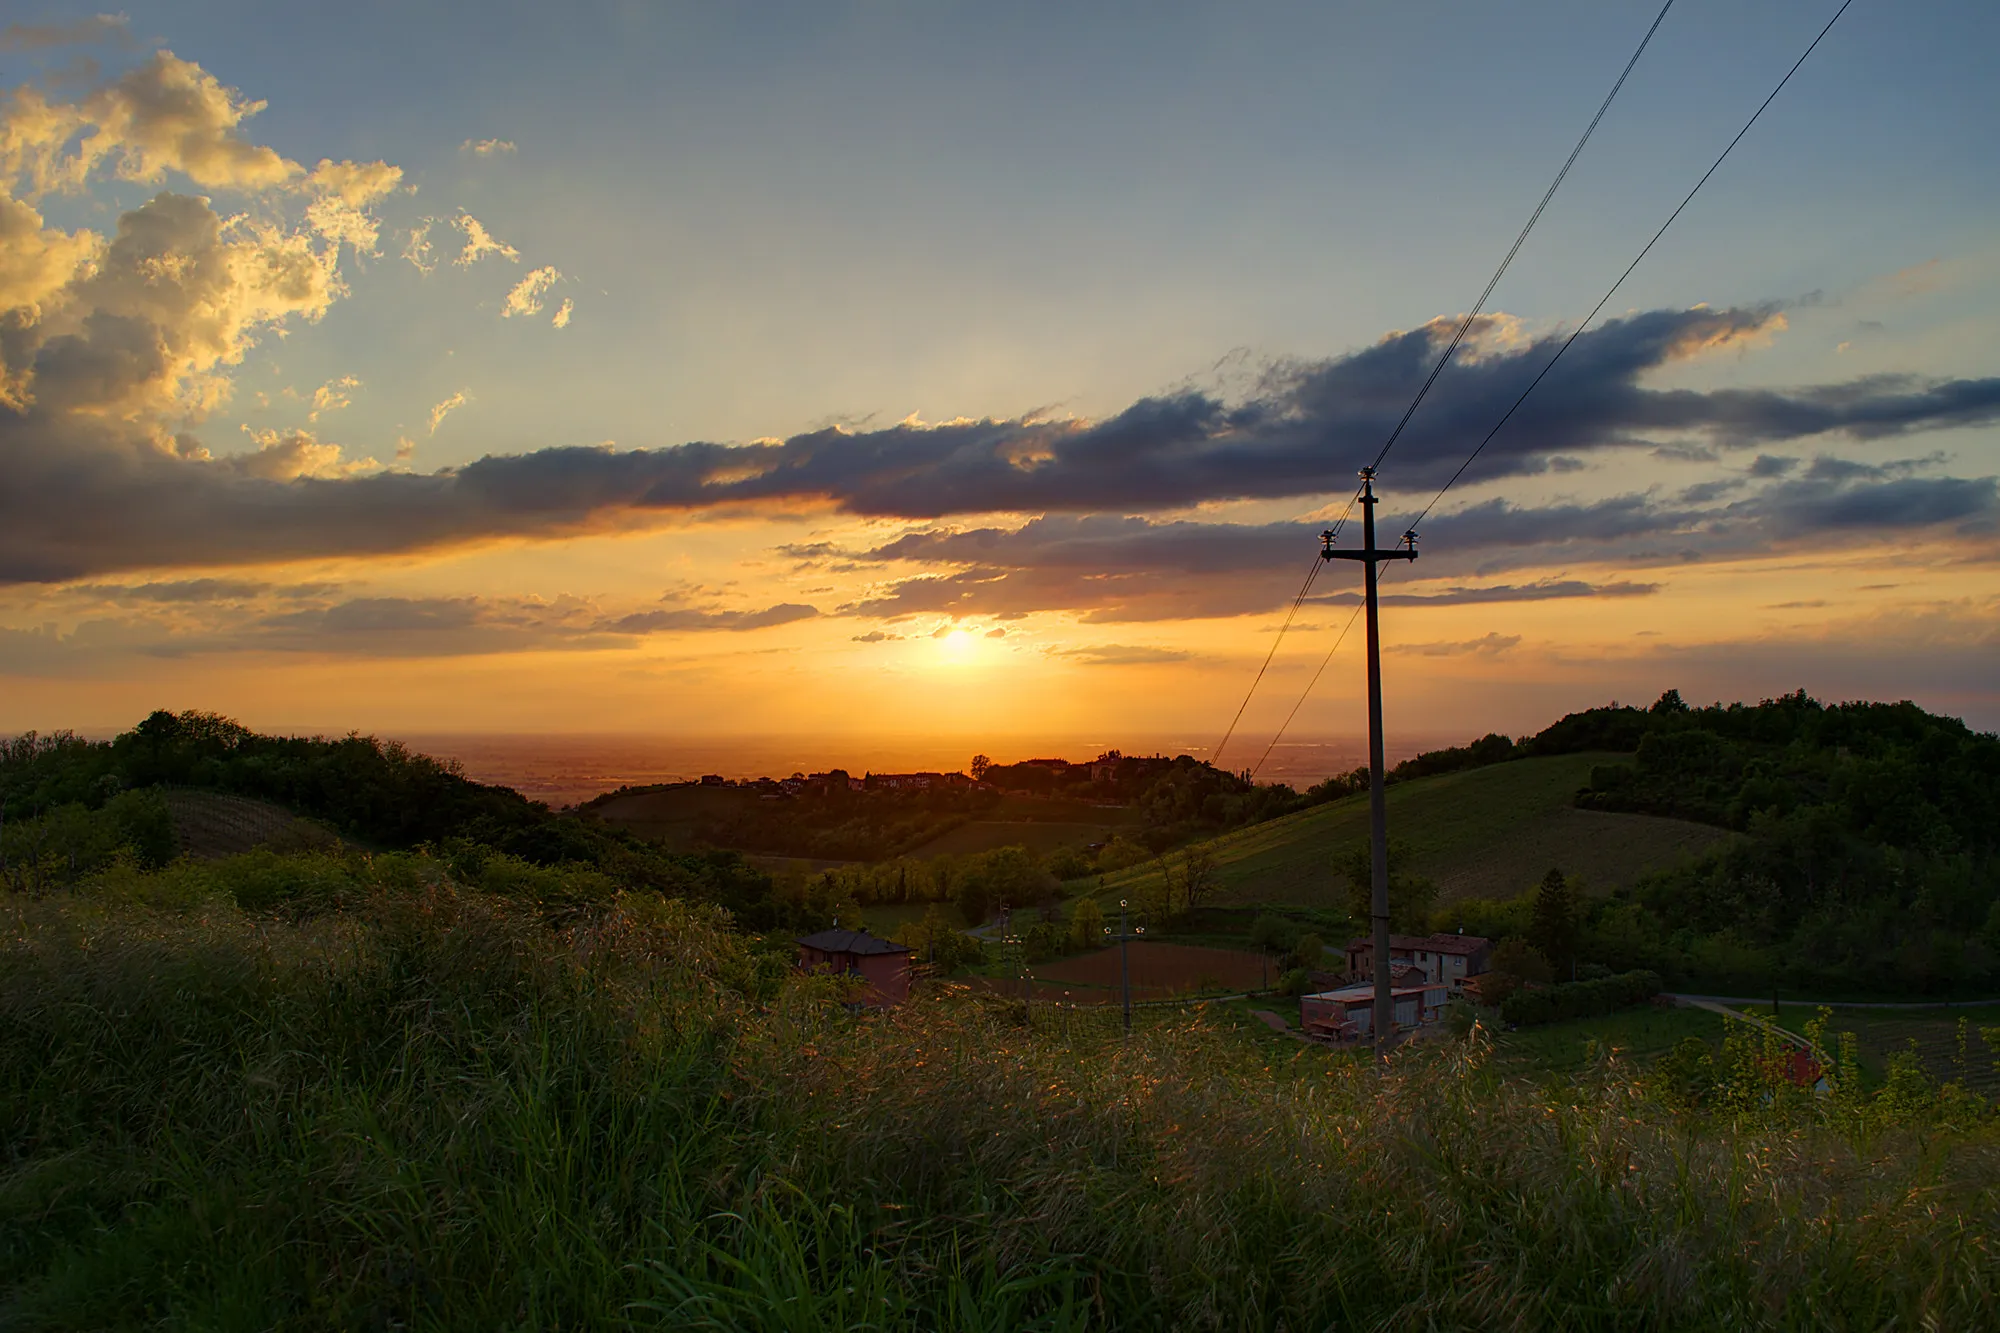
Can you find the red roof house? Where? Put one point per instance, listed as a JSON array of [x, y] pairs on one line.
[[882, 965]]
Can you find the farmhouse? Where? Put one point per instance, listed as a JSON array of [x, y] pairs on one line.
[[884, 966], [1348, 1014], [1448, 959]]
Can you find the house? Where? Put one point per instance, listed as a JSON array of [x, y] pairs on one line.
[[1348, 1014], [1449, 959], [882, 965]]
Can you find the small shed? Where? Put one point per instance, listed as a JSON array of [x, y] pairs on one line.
[[883, 965]]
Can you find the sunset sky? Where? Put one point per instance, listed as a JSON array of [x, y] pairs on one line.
[[886, 370]]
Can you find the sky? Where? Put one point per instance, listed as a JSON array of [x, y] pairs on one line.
[[912, 371]]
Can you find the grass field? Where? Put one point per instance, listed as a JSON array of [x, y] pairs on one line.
[[1635, 1036], [435, 1110], [1487, 832]]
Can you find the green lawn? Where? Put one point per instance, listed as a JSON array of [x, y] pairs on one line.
[[1487, 832], [1636, 1035]]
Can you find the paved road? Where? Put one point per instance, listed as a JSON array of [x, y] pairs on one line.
[[1704, 1001]]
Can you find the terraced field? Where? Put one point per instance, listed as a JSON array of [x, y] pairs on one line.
[[1487, 832]]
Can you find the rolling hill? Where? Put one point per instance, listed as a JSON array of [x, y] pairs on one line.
[[1484, 832]]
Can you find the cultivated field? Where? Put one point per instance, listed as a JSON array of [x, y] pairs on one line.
[[209, 824], [1487, 832], [1158, 970], [1039, 836]]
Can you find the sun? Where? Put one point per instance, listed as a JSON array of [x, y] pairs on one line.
[[959, 647]]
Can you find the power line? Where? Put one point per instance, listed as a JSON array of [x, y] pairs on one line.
[[1595, 310], [1297, 602], [1465, 324], [1713, 167], [1444, 358]]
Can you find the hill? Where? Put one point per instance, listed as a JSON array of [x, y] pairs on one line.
[[210, 824], [1480, 832]]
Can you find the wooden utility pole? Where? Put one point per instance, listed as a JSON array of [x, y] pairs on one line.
[[1124, 937], [1378, 809]]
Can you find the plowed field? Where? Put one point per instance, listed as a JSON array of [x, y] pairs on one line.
[[1158, 970]]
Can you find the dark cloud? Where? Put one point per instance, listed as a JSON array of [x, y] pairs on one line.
[[1555, 590], [88, 494], [876, 636], [653, 622], [1487, 645]]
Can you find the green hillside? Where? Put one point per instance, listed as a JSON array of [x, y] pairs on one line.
[[1483, 832]]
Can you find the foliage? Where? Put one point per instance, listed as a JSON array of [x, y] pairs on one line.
[[1086, 926], [1579, 999], [1310, 951], [1553, 921], [1521, 960], [59, 845], [933, 940], [1297, 981], [1410, 894], [438, 1107]]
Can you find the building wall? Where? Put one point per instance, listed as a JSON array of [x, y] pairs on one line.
[[888, 978]]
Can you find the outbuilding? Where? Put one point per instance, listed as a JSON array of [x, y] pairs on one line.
[[882, 965]]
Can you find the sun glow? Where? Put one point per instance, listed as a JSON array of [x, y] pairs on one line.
[[958, 647]]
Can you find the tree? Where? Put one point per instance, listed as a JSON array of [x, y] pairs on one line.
[[973, 899], [1410, 895], [1274, 934], [1086, 925], [980, 763], [1552, 924], [1518, 958], [1310, 952]]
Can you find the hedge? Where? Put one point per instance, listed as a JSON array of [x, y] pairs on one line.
[[1579, 999]]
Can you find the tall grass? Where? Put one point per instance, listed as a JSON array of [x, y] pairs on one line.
[[424, 1107]]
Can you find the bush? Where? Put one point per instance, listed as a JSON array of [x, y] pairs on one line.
[[1579, 999], [1298, 981]]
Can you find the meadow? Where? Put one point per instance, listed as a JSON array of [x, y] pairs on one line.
[[1481, 832], [366, 1092]]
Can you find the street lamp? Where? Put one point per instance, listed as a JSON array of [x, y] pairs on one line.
[[1123, 937]]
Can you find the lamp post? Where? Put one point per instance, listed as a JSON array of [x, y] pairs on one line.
[[1123, 937]]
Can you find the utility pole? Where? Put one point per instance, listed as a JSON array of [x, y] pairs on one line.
[[1378, 809], [1123, 937]]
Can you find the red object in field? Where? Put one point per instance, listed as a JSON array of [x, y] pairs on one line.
[[882, 965]]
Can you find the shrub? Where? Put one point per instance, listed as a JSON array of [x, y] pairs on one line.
[[1579, 999], [1298, 981]]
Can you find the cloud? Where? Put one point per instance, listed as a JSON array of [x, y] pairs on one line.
[[561, 318], [42, 36], [333, 396], [487, 147], [418, 249], [996, 633], [344, 192], [479, 242], [1119, 654], [654, 622], [439, 411], [1488, 645], [118, 482], [1552, 590], [525, 298], [170, 114], [877, 636]]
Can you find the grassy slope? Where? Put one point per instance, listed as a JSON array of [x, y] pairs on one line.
[[437, 1113], [1488, 832]]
